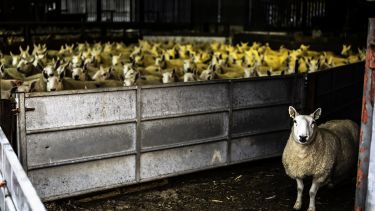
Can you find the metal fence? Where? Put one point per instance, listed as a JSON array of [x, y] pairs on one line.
[[18, 193], [121, 136], [114, 137]]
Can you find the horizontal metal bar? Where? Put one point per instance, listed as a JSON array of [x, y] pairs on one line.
[[80, 91], [88, 190], [241, 135], [256, 158], [74, 127], [214, 111], [177, 84], [82, 160], [184, 144], [181, 84], [184, 172], [265, 105]]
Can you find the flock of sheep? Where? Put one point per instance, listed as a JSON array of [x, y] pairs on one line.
[[88, 66]]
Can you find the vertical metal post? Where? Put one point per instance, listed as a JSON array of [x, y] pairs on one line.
[[366, 120], [230, 123], [21, 138], [138, 136]]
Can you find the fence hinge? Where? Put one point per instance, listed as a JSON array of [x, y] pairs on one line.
[[17, 110]]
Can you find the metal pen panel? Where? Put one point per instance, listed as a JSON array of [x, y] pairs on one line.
[[2, 196], [83, 109], [258, 92], [175, 161], [78, 144], [69, 180], [258, 146], [23, 194], [183, 129], [260, 120], [176, 100]]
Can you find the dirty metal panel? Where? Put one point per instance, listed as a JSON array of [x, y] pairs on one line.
[[260, 120], [161, 101], [80, 109], [258, 146], [69, 180], [175, 161], [2, 195], [348, 74], [323, 82], [23, 194], [9, 206], [51, 147], [183, 129], [250, 93]]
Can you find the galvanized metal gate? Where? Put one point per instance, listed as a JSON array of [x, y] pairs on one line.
[[77, 142], [17, 193]]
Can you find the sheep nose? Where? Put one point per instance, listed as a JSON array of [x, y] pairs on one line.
[[76, 77], [53, 90], [302, 138]]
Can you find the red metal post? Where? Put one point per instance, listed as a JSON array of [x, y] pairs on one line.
[[366, 120]]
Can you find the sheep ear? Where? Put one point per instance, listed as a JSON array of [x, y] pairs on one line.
[[292, 112], [62, 74], [45, 76], [2, 70], [316, 114], [32, 86]]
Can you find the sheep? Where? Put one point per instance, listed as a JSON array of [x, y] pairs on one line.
[[190, 76], [326, 152], [169, 76]]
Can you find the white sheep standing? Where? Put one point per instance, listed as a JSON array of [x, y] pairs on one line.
[[327, 152]]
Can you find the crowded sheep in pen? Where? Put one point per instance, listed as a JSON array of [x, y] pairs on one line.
[[89, 66]]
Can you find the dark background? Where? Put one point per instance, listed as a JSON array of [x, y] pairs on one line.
[[95, 20]]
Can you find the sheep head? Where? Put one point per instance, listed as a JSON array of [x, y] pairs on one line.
[[304, 126]]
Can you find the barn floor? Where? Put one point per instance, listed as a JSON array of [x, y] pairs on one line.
[[258, 185]]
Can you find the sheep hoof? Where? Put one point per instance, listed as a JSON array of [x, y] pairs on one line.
[[311, 209], [297, 205]]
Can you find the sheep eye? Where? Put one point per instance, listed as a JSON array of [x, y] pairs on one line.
[[295, 121]]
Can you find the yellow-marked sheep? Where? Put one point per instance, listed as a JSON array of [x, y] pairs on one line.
[[327, 152]]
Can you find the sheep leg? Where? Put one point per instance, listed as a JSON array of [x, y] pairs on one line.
[[313, 190], [298, 203]]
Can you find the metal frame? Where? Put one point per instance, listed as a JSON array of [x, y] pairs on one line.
[[216, 104], [130, 135], [18, 193]]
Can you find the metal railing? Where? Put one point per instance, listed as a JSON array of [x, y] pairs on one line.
[[17, 192]]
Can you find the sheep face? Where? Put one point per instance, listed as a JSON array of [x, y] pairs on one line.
[[102, 74], [313, 65], [15, 59], [130, 77], [189, 66], [54, 83], [77, 61], [303, 130], [249, 71], [169, 77], [79, 74], [345, 50], [207, 75], [116, 59], [190, 76]]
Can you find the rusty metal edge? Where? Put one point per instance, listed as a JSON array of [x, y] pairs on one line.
[[366, 121]]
